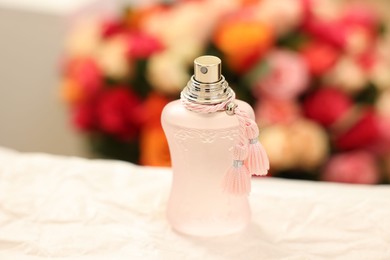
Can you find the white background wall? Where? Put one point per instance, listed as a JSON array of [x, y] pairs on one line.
[[32, 116]]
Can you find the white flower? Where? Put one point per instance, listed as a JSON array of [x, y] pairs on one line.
[[174, 25], [84, 39], [358, 41], [347, 75], [380, 75], [283, 15], [187, 50], [383, 104], [186, 28], [167, 73], [112, 58], [383, 47], [326, 10]]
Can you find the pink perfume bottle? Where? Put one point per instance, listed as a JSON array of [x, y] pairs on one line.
[[201, 147]]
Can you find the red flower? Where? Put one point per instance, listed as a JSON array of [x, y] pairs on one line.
[[320, 57], [382, 146], [120, 113], [354, 30], [332, 32], [326, 105], [111, 28], [306, 6], [354, 167], [365, 133], [84, 116], [87, 73], [142, 45]]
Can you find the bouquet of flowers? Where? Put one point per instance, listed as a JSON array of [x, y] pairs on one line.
[[316, 72]]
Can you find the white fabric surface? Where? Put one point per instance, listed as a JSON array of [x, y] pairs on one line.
[[72, 208]]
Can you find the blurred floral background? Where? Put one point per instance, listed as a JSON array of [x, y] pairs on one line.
[[317, 73]]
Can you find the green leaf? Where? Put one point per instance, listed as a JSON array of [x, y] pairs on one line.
[[139, 82], [382, 29], [259, 71], [293, 40], [368, 95], [106, 146]]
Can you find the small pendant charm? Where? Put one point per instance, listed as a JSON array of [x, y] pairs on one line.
[[238, 163], [253, 140], [230, 107]]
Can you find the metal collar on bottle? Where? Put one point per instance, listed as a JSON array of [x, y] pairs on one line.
[[207, 86]]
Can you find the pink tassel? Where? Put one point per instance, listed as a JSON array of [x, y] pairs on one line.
[[237, 179], [257, 161]]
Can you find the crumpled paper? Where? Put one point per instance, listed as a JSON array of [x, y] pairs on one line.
[[73, 208]]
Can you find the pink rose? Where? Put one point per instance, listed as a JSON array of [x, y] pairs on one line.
[[353, 167], [273, 111], [287, 76]]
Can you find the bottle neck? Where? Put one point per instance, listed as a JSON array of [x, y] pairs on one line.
[[207, 93]]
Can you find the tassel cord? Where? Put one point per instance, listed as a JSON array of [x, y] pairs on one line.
[[246, 153]]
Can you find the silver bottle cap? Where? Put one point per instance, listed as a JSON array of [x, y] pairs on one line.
[[207, 85], [207, 69]]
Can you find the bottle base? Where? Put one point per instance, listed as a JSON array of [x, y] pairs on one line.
[[209, 232]]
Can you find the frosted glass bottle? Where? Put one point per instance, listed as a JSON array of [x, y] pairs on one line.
[[201, 152]]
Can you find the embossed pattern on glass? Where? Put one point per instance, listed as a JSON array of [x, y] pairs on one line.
[[201, 152]]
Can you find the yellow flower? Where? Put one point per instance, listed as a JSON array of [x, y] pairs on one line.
[[275, 141], [309, 142]]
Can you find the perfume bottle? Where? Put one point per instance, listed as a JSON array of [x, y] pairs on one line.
[[201, 147]]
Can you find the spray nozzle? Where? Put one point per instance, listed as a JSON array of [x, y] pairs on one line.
[[207, 69]]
